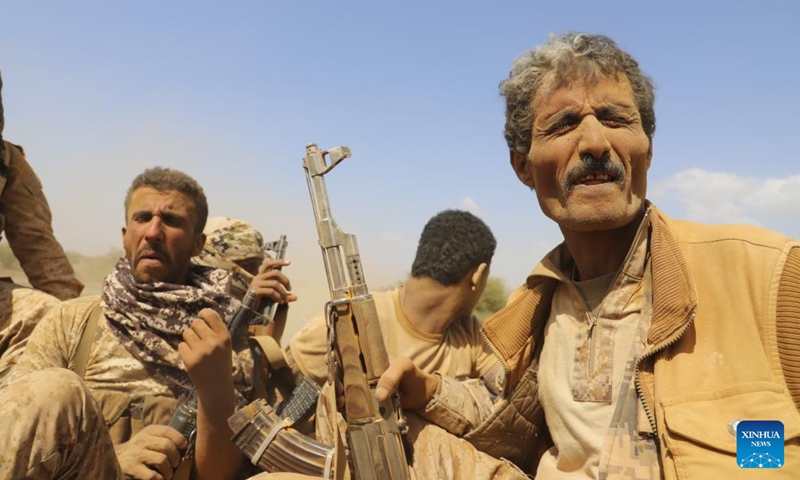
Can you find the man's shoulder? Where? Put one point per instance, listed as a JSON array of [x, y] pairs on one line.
[[83, 302], [27, 296], [701, 233], [78, 308]]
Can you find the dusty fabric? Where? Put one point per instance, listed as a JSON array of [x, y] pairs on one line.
[[21, 309], [459, 352], [435, 453], [234, 239], [27, 223], [585, 356], [229, 241], [52, 428], [129, 394], [712, 286], [149, 318], [788, 323], [458, 406]]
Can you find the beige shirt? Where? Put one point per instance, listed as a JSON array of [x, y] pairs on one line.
[[585, 356], [459, 352]]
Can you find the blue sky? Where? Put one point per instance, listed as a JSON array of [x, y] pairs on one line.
[[231, 93]]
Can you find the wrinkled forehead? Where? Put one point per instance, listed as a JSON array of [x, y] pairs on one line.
[[582, 74], [581, 70], [151, 199]]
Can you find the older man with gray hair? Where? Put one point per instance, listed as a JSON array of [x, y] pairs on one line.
[[624, 349]]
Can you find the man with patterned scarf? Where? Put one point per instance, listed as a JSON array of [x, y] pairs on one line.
[[157, 331]]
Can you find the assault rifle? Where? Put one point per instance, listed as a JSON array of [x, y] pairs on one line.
[[374, 429], [184, 420], [268, 306]]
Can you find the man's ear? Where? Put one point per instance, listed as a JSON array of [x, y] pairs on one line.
[[650, 154], [199, 242], [519, 162], [480, 276], [124, 230]]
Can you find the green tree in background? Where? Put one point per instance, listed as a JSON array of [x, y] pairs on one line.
[[493, 298]]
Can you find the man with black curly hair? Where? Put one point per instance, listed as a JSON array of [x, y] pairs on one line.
[[428, 318]]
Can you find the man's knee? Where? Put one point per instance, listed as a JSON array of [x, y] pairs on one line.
[[49, 397]]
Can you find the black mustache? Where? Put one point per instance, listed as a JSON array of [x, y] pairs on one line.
[[594, 166]]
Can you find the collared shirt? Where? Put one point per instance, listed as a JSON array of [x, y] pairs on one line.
[[587, 363]]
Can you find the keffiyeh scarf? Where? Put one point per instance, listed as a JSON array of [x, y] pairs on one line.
[[149, 319]]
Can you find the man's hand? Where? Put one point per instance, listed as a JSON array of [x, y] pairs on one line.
[[417, 388], [206, 352], [272, 283], [152, 454]]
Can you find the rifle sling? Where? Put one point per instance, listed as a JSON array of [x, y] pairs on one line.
[[90, 324]]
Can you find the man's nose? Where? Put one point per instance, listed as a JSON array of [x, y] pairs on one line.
[[593, 139], [154, 230]]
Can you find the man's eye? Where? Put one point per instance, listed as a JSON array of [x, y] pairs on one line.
[[616, 121], [171, 220], [559, 128]]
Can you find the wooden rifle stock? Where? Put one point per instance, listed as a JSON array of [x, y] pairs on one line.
[[374, 429]]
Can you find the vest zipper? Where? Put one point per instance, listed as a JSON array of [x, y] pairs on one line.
[[498, 356], [636, 379]]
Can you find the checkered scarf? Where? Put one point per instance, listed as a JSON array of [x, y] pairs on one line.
[[149, 319]]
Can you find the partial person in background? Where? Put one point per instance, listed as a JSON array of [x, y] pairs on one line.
[[429, 329], [238, 247], [428, 318], [26, 221], [235, 246]]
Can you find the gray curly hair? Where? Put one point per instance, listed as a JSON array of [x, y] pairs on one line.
[[565, 56]]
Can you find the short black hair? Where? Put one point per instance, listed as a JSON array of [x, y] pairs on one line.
[[161, 178], [452, 243]]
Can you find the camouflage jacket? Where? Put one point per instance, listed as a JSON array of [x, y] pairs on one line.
[[129, 395], [26, 220], [21, 309]]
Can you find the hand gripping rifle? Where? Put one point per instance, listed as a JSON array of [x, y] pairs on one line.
[[374, 429], [184, 420], [268, 306]]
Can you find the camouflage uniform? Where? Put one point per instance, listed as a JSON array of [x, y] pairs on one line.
[[21, 309], [125, 396], [436, 453], [68, 440], [25, 219], [228, 242]]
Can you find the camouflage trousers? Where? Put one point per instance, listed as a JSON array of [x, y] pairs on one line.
[[52, 428]]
